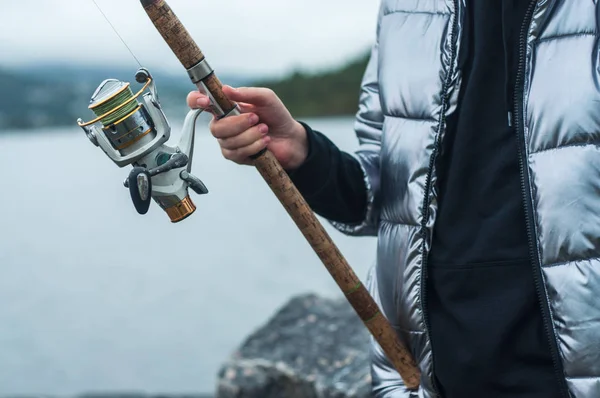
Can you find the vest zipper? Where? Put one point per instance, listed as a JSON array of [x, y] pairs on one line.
[[518, 121], [426, 200]]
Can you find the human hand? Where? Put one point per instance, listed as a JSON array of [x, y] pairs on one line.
[[264, 122]]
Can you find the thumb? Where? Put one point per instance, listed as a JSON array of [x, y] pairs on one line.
[[250, 95]]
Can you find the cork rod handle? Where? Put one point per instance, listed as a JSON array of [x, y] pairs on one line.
[[188, 53]]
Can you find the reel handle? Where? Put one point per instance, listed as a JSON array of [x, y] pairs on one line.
[[139, 183], [176, 161]]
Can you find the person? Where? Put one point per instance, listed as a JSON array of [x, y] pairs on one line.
[[478, 169]]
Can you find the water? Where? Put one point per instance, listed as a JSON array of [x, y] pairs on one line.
[[94, 297]]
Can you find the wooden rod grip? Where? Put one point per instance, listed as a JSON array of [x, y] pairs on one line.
[[214, 86], [173, 31], [188, 53], [355, 292]]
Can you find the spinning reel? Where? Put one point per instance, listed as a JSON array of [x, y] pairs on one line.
[[132, 129]]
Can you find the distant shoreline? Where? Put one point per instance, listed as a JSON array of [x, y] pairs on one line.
[[326, 94], [176, 123]]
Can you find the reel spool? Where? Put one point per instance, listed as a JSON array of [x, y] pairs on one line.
[[132, 129]]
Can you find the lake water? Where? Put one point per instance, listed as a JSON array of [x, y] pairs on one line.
[[94, 297]]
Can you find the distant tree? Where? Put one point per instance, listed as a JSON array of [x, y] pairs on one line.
[[62, 95], [331, 93]]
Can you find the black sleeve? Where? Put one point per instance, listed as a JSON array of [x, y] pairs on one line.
[[331, 181]]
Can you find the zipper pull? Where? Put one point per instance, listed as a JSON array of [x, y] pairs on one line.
[[510, 119]]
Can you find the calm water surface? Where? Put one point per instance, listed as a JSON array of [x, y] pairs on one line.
[[94, 297]]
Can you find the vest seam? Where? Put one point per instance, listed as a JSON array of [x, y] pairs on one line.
[[415, 12], [577, 260], [581, 377], [565, 36], [416, 119], [574, 145], [388, 221]]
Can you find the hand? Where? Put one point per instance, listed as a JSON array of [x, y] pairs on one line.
[[264, 122]]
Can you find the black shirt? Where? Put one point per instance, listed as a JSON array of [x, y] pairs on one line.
[[480, 213], [484, 315]]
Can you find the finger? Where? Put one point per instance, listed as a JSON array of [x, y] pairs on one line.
[[246, 138], [246, 108], [196, 99], [233, 125], [242, 155], [252, 95]]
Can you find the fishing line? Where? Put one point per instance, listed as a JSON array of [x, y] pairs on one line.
[[117, 33], [113, 102]]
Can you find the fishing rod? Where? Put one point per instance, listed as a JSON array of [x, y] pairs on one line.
[[134, 132]]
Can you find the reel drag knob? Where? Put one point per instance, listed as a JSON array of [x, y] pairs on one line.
[[139, 183]]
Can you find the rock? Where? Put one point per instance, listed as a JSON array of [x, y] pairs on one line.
[[312, 348], [114, 395], [138, 395]]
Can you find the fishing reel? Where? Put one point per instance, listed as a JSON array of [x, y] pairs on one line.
[[132, 129]]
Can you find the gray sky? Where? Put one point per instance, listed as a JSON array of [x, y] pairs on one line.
[[246, 36]]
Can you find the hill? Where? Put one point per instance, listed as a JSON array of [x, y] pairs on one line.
[[28, 101], [329, 93], [57, 95], [60, 94]]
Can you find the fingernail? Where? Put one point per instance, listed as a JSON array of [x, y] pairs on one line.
[[263, 129], [266, 139], [203, 102], [253, 119]]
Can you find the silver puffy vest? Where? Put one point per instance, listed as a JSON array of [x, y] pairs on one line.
[[411, 84]]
